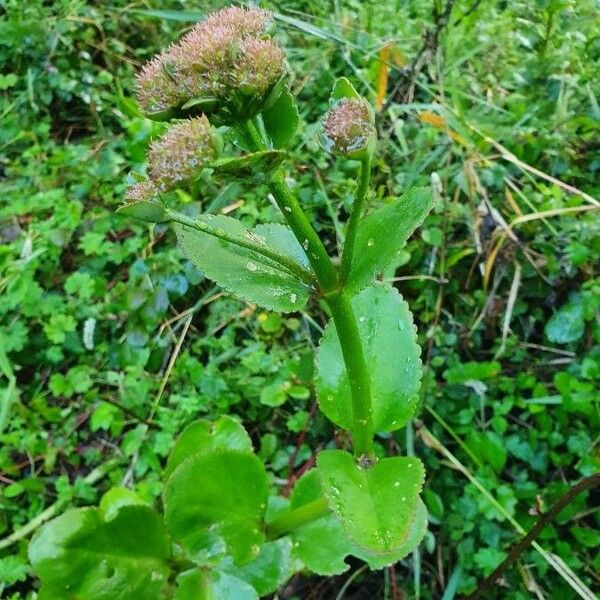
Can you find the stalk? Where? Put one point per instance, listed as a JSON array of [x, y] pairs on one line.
[[336, 298], [358, 372], [297, 517], [355, 215]]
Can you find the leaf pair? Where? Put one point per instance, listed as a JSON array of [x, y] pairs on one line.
[[215, 500]]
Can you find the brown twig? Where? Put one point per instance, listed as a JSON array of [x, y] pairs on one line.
[[515, 552]]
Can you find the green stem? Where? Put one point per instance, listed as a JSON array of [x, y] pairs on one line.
[[355, 215], [296, 219], [289, 264], [307, 236], [336, 298], [358, 372], [296, 517]]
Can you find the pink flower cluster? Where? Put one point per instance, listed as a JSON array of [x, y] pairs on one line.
[[178, 156], [227, 53]]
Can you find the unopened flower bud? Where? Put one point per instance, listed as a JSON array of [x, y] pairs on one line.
[[349, 129], [143, 190], [182, 152]]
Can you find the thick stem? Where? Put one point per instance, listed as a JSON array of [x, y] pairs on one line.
[[295, 518], [294, 215], [337, 300], [289, 265], [307, 236], [358, 372], [355, 215]]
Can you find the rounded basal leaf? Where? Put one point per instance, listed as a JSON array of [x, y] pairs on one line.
[[245, 273], [383, 233], [215, 504], [273, 566], [322, 545], [392, 355], [115, 499], [203, 584], [376, 504], [118, 555], [416, 533], [281, 119], [205, 436]]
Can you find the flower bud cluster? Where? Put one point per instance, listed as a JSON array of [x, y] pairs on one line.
[[226, 54], [182, 152], [349, 129]]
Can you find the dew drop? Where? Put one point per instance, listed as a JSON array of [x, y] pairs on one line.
[[362, 319], [397, 484], [370, 243], [293, 298], [251, 267]]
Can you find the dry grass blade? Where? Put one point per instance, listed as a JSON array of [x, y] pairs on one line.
[[510, 305]]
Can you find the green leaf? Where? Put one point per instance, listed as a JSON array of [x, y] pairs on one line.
[[273, 395], [416, 532], [309, 547], [329, 559], [342, 88], [377, 505], [269, 570], [567, 324], [212, 585], [12, 569], [462, 373], [116, 498], [170, 15], [215, 503], [392, 353], [245, 273], [205, 436], [249, 165], [144, 210], [382, 234], [281, 119], [87, 553]]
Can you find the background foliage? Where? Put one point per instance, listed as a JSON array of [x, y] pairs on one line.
[[111, 342]]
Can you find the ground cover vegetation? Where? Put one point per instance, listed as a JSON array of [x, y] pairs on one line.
[[112, 341]]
